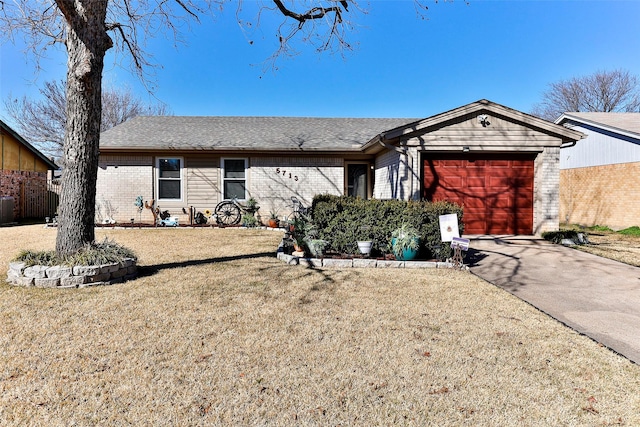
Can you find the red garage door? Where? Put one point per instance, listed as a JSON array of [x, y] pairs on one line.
[[496, 190]]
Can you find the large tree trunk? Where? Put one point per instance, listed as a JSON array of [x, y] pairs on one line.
[[87, 43]]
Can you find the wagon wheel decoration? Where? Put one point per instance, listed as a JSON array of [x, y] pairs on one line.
[[227, 213]]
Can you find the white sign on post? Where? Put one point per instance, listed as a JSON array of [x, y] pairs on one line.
[[449, 227]]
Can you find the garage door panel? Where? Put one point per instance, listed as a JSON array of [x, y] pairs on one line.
[[499, 164], [451, 181], [474, 203], [496, 190], [523, 202], [476, 181]]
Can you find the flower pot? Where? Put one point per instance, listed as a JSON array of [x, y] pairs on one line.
[[273, 223], [405, 254], [365, 247]]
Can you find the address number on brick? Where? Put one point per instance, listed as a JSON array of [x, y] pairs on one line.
[[286, 174]]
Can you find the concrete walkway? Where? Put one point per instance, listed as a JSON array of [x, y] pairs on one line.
[[595, 296]]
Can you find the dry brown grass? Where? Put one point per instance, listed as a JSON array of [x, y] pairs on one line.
[[219, 332], [614, 246]]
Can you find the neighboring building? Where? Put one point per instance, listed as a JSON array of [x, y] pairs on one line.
[[499, 163], [600, 175], [24, 176]]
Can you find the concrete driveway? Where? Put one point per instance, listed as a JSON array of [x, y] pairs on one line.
[[595, 296]]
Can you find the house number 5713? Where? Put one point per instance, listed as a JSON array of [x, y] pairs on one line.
[[286, 174]]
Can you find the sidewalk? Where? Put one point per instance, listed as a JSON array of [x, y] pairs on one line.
[[595, 296]]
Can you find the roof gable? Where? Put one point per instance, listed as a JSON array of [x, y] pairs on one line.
[[480, 107], [5, 128]]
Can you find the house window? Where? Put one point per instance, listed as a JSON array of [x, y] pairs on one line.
[[169, 178], [357, 180], [234, 178]]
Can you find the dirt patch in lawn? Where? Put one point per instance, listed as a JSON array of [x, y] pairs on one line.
[[219, 332]]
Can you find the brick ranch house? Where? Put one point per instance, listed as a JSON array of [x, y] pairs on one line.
[[23, 176], [499, 163], [600, 175]]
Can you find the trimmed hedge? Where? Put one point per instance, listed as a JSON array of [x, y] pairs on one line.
[[344, 220]]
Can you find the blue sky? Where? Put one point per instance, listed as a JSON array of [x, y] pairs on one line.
[[403, 66]]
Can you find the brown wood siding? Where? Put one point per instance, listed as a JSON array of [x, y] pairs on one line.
[[10, 154], [15, 156], [496, 190]]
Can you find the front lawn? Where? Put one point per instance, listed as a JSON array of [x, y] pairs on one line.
[[217, 331]]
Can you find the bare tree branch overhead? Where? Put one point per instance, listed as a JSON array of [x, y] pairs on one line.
[[603, 91], [88, 29], [42, 121]]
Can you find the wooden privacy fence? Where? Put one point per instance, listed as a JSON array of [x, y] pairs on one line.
[[39, 198]]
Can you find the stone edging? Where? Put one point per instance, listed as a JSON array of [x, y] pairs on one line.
[[79, 276], [359, 262]]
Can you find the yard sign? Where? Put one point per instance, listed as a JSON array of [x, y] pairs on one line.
[[449, 227]]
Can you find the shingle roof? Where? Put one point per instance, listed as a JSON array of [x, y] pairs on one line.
[[245, 133], [625, 122]]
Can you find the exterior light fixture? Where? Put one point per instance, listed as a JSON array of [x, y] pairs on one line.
[[466, 149]]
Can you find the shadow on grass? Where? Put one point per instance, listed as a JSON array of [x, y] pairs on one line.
[[150, 270]]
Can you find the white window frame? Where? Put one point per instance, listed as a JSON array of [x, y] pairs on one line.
[[246, 176], [181, 179]]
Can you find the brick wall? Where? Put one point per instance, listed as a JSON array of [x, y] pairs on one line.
[[601, 195], [120, 180], [273, 180], [545, 191]]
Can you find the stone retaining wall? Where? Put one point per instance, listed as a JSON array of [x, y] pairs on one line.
[[359, 262], [79, 276]]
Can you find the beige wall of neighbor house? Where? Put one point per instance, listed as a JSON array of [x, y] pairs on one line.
[[601, 195]]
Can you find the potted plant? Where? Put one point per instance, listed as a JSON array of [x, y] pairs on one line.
[[405, 242], [273, 219], [365, 244], [252, 206], [302, 229]]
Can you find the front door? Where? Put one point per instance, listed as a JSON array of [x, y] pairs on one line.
[[358, 180]]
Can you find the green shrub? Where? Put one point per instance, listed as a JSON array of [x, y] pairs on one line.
[[631, 231], [105, 252], [599, 228], [344, 220]]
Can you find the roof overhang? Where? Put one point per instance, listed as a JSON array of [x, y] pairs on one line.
[[569, 117]]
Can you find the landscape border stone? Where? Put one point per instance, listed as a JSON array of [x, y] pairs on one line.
[[64, 277], [358, 262]]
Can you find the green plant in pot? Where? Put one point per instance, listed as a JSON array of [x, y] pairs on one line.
[[302, 229], [405, 242], [273, 219], [252, 206]]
